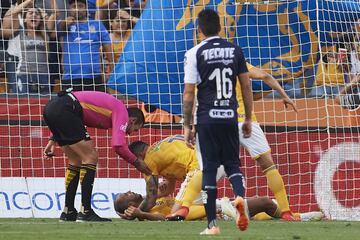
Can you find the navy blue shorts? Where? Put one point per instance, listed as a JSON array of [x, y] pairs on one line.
[[218, 144]]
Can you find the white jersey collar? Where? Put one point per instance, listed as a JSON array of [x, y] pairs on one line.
[[210, 38]]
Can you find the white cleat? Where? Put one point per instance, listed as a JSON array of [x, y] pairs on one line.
[[211, 231], [227, 208], [311, 216]]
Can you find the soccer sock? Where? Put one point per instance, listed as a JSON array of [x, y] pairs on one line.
[[196, 212], [87, 176], [71, 183], [236, 179], [209, 194], [262, 216], [276, 185], [192, 190]]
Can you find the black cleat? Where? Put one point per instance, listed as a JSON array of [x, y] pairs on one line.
[[70, 216], [174, 218], [90, 216]]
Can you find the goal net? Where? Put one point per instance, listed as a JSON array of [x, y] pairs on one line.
[[312, 48]]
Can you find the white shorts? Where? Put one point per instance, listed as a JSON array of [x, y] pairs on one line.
[[256, 144]]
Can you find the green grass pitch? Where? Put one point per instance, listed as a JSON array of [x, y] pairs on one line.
[[48, 229]]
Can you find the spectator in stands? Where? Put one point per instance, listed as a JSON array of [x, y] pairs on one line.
[[83, 40], [135, 7], [121, 25], [355, 60], [12, 46], [33, 69], [349, 97], [331, 75]]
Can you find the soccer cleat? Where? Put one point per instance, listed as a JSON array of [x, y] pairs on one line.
[[179, 215], [211, 231], [227, 208], [242, 220], [90, 216], [289, 217], [311, 216], [70, 216]]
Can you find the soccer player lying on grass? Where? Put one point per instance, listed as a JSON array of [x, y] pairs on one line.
[[173, 160], [258, 208]]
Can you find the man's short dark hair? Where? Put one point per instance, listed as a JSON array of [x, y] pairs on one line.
[[138, 114], [209, 22], [137, 147], [121, 206], [82, 1]]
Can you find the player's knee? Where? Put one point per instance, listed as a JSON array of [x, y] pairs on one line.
[[265, 162], [91, 158]]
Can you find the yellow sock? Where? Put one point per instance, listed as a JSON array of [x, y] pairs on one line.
[[196, 212], [261, 216], [276, 185], [192, 190]]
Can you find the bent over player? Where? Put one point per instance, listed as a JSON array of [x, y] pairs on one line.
[[66, 116], [171, 159], [214, 66]]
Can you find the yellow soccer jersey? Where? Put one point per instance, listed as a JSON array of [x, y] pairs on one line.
[[241, 108], [163, 205], [171, 158]]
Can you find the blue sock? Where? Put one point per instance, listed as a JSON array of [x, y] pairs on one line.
[[236, 179], [209, 194]]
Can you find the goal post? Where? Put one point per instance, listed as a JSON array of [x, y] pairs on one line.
[[311, 47]]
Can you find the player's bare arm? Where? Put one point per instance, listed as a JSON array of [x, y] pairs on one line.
[[152, 184], [248, 102], [134, 212], [188, 104], [256, 73]]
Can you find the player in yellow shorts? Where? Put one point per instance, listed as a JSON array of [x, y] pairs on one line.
[[257, 145], [258, 208], [171, 159]]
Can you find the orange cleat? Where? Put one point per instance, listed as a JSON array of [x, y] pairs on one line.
[[289, 217], [211, 231], [179, 215], [242, 220]]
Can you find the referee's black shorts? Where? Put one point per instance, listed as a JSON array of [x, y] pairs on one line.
[[64, 117], [218, 144]]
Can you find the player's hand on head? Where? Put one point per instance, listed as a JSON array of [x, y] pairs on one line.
[[124, 216], [49, 151], [141, 166], [132, 212], [288, 102], [189, 135], [246, 128]]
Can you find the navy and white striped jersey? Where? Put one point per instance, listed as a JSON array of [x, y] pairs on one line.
[[214, 65]]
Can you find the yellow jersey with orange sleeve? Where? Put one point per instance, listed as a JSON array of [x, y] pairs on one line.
[[171, 158], [163, 205], [239, 98]]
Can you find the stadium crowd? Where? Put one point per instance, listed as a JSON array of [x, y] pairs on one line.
[[40, 53], [50, 45]]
